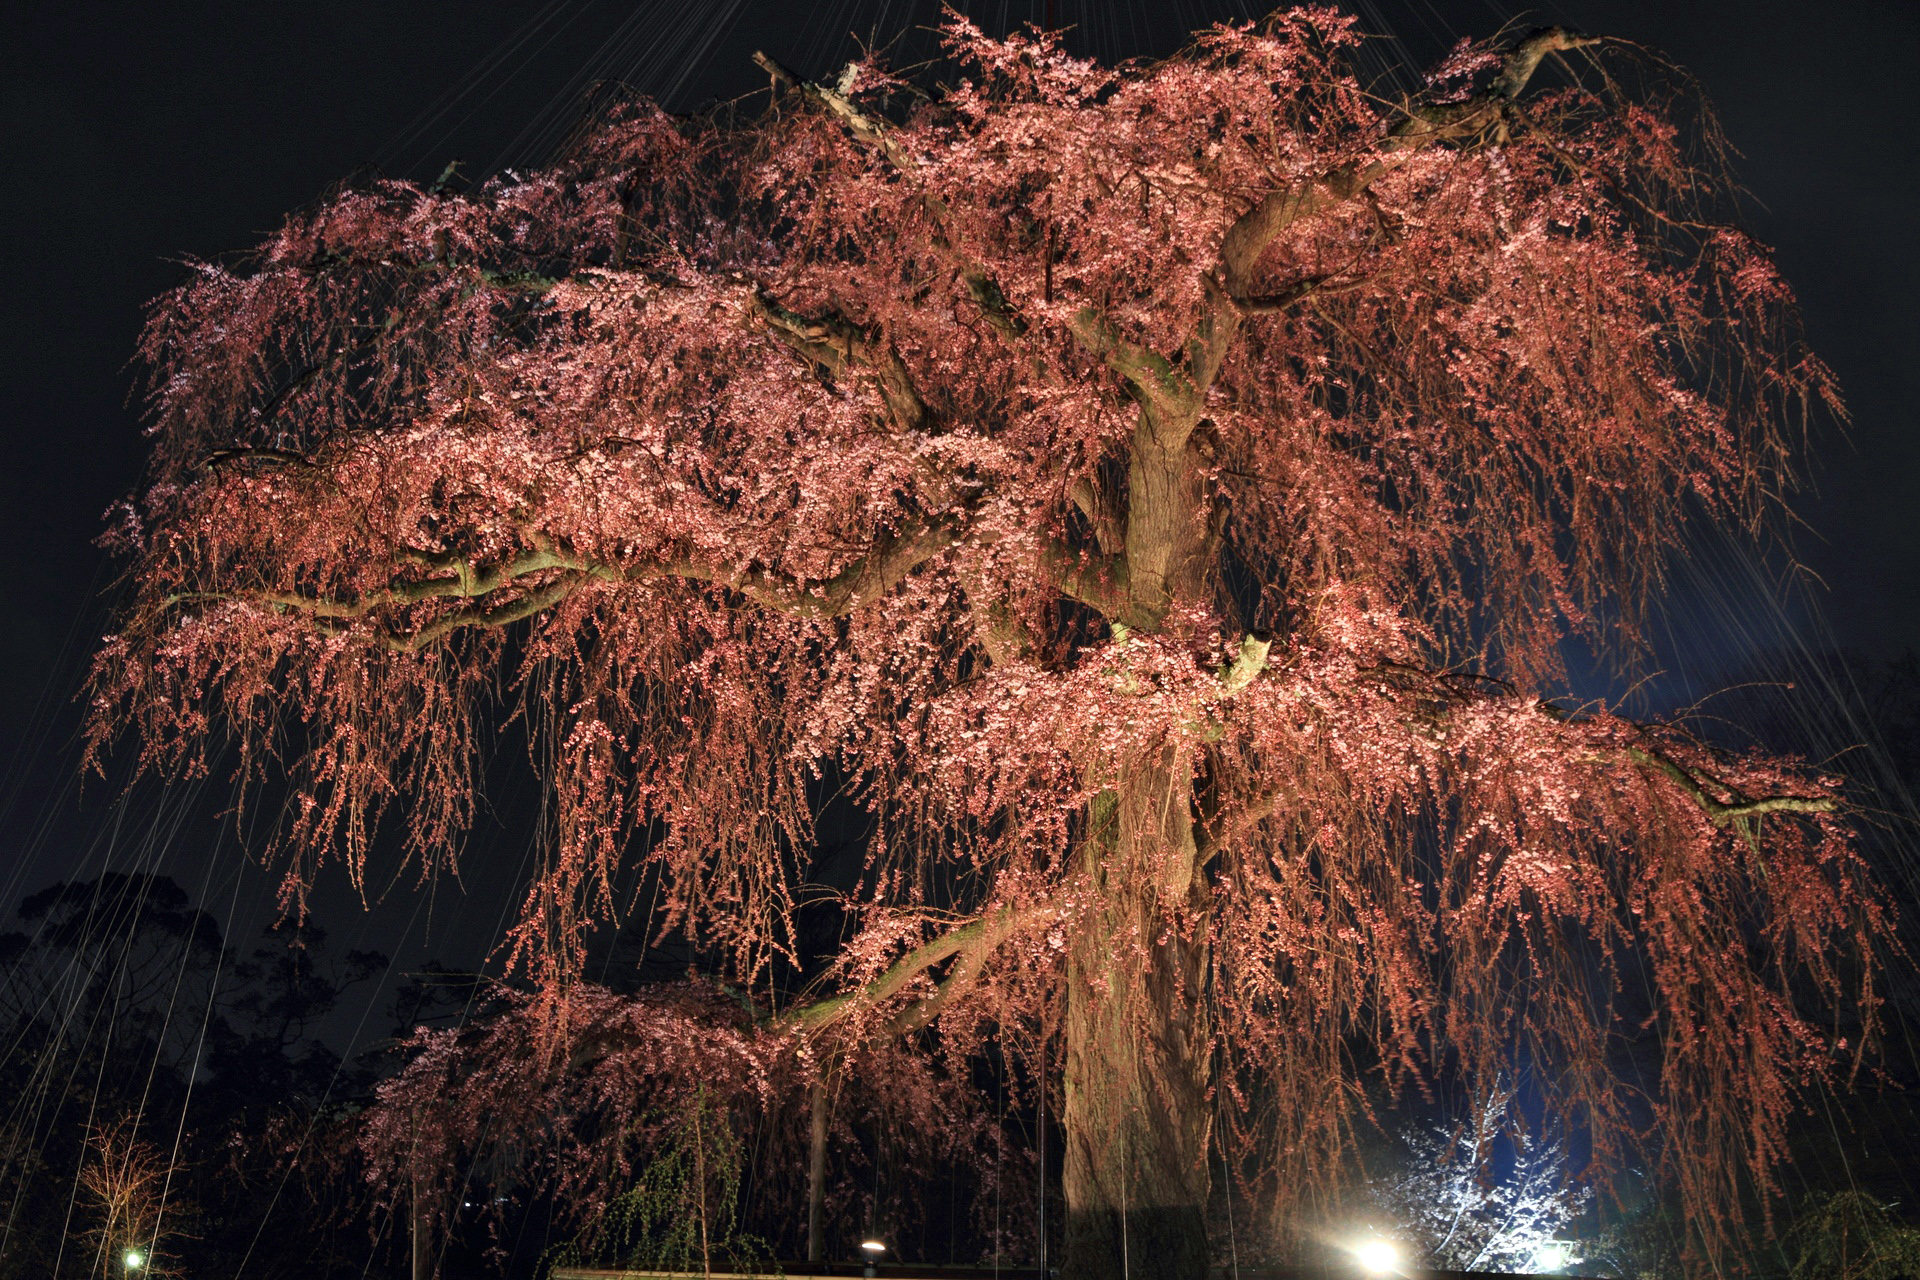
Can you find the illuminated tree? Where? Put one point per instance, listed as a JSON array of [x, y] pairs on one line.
[[1161, 493], [124, 1188], [1438, 1192]]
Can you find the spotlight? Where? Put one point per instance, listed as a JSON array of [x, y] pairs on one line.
[[1553, 1256], [1377, 1257], [135, 1259], [872, 1249]]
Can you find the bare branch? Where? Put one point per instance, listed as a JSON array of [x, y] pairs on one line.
[[874, 133], [1525, 58]]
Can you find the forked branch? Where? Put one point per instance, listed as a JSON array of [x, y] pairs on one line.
[[837, 345], [1426, 124], [1724, 813], [982, 288]]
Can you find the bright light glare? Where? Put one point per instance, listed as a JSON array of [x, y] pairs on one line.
[[1551, 1257], [135, 1259], [873, 1247], [1377, 1257]]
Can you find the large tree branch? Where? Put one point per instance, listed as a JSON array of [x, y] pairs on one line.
[[1454, 688], [1097, 505], [1095, 580], [1723, 813], [1164, 492], [875, 133], [1424, 125], [836, 345], [537, 600], [1156, 380], [522, 586], [1443, 691], [968, 945]]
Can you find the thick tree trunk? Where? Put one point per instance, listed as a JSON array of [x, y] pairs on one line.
[[1138, 1052]]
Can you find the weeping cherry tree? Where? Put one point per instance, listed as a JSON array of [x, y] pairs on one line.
[[1162, 494]]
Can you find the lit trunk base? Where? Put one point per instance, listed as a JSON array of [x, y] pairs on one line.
[[1138, 1069]]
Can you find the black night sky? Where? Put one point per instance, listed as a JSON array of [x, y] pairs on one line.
[[137, 134]]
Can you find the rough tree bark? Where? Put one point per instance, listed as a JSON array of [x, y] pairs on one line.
[[1138, 1043]]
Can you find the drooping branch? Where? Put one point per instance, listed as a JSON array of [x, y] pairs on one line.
[[462, 581], [1457, 688], [1724, 813], [535, 601], [1442, 693]]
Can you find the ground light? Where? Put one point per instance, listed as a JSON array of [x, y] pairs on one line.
[[872, 1249], [1377, 1257], [1554, 1255]]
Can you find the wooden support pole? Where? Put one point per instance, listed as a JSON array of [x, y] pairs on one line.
[[420, 1241], [817, 1171]]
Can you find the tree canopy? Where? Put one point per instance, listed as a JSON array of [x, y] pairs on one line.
[[1162, 493]]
